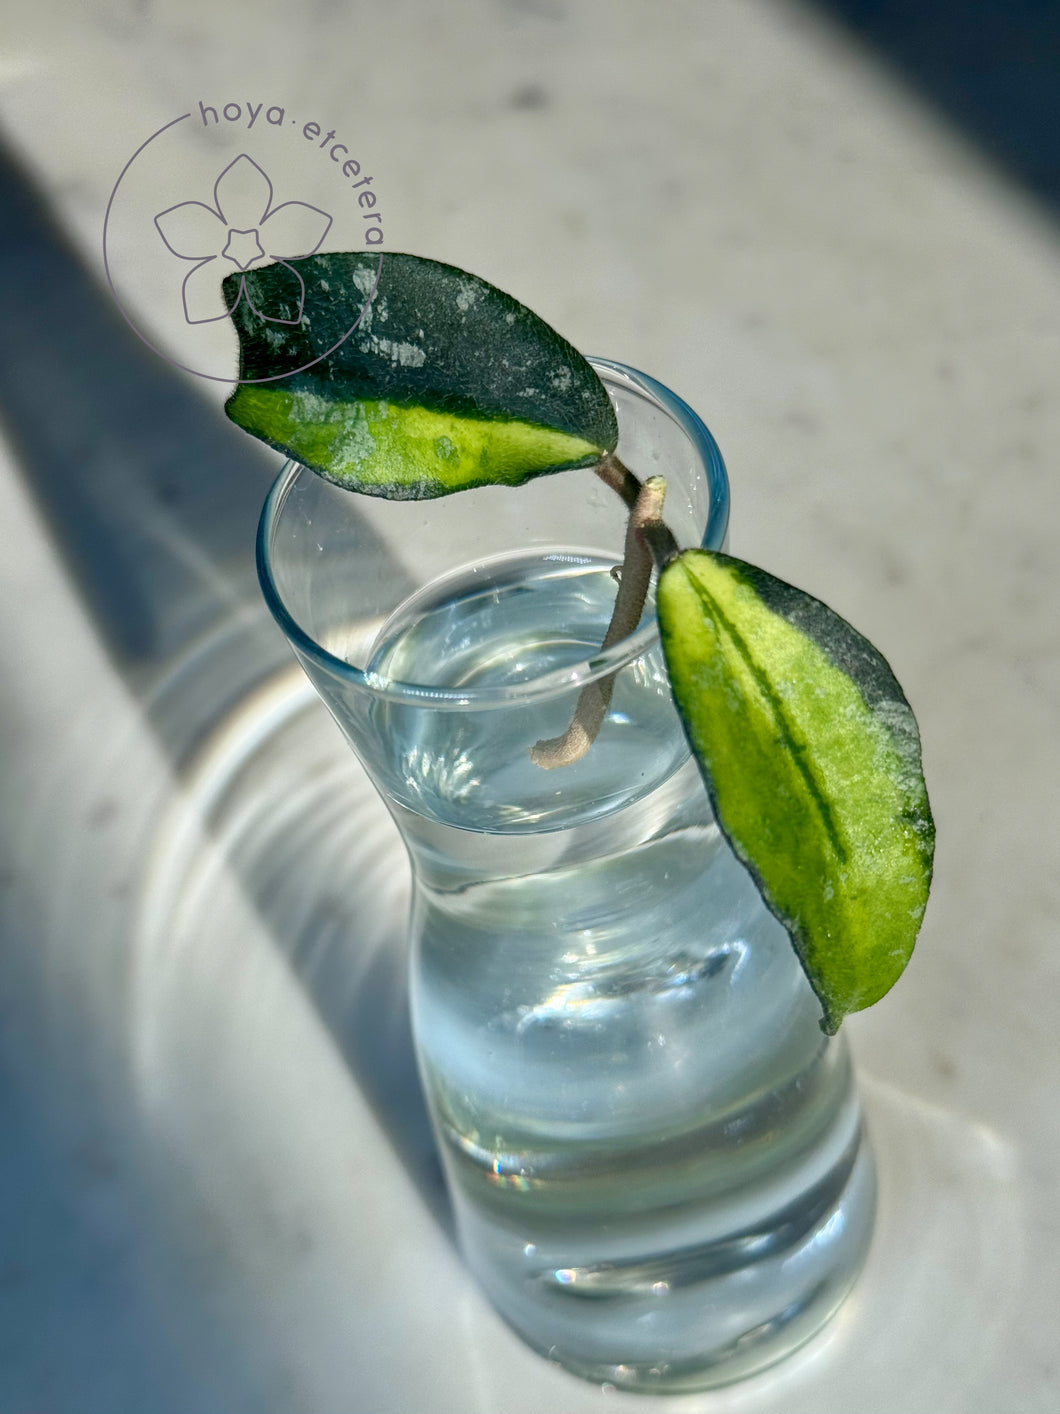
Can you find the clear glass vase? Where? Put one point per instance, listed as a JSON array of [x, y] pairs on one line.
[[655, 1156]]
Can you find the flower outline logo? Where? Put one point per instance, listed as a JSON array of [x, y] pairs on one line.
[[242, 229], [139, 266]]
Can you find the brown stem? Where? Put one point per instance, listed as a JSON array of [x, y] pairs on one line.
[[614, 473], [658, 537], [595, 697]]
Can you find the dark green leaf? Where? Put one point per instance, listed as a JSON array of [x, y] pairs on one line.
[[445, 383]]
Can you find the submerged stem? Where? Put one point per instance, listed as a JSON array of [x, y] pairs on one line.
[[642, 537]]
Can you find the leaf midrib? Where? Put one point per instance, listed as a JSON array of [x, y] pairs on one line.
[[789, 737]]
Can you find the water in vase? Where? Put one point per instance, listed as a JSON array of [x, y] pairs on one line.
[[654, 1154]]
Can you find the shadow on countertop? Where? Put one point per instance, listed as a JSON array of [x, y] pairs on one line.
[[152, 499], [992, 67]]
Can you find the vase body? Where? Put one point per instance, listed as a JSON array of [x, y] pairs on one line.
[[655, 1156]]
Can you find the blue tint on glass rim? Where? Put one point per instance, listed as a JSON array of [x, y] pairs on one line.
[[602, 664]]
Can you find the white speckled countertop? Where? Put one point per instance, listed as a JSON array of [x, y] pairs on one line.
[[207, 1205]]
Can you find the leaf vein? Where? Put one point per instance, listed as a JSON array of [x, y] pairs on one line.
[[791, 739]]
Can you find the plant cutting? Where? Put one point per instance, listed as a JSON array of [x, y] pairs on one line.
[[665, 813]]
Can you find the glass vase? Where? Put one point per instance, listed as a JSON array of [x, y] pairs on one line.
[[655, 1156]]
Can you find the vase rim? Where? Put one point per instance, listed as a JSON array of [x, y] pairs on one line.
[[601, 664]]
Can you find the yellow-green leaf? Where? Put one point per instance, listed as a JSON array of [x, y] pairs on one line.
[[811, 756]]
